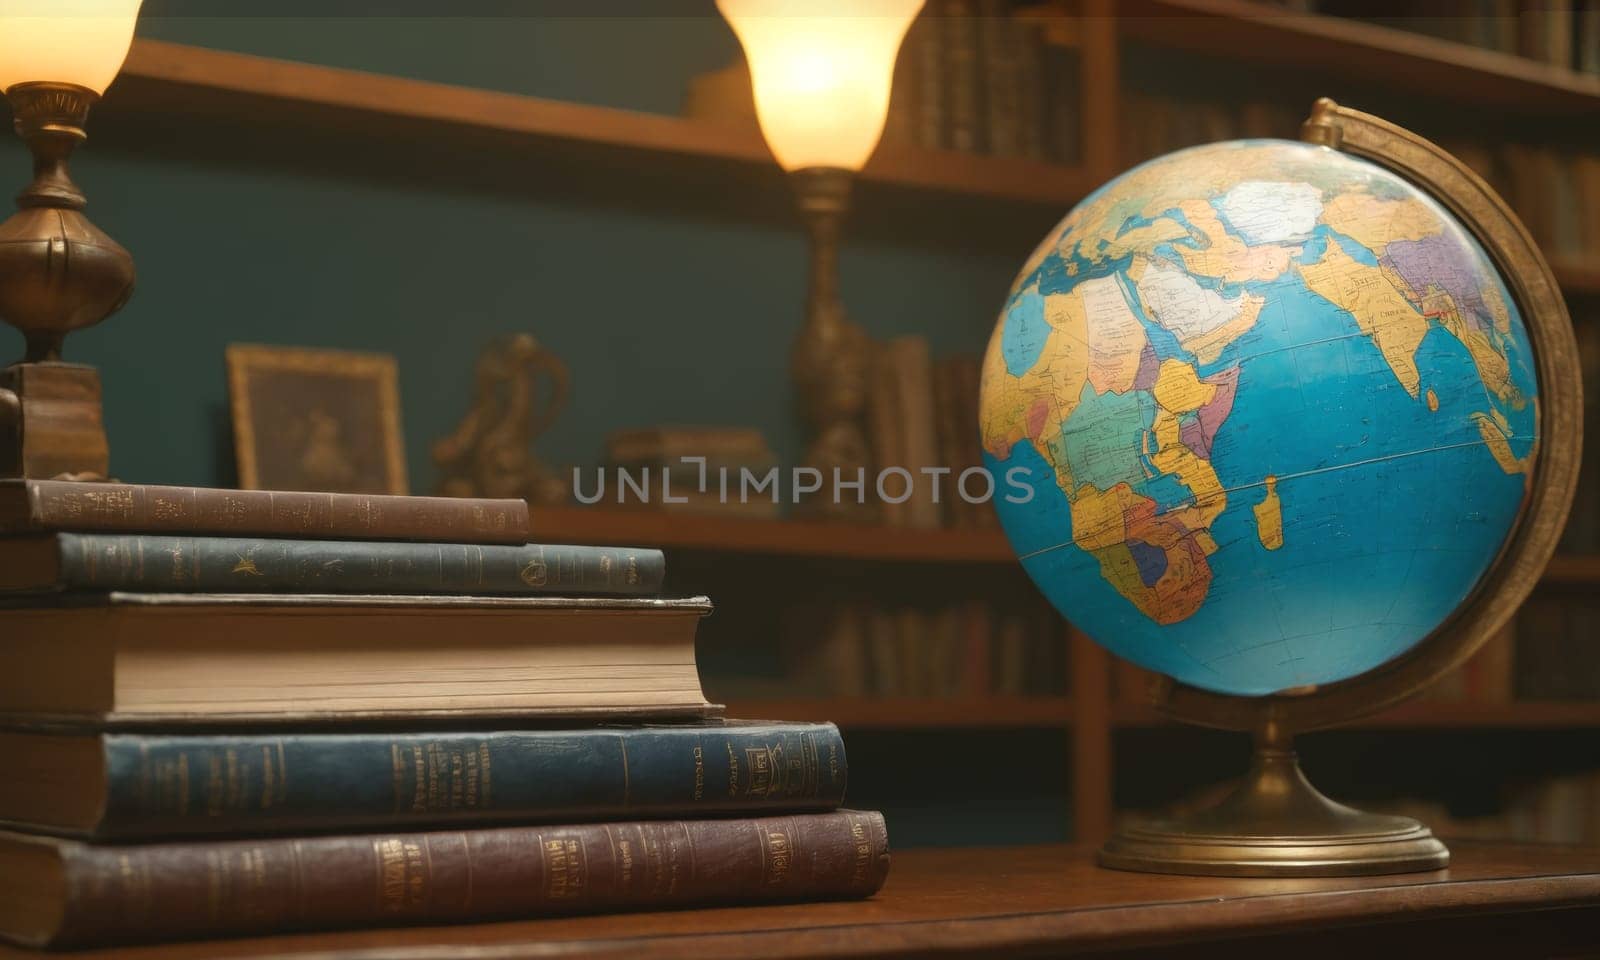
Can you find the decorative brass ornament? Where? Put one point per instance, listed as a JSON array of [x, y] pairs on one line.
[[1276, 823], [58, 273], [490, 453]]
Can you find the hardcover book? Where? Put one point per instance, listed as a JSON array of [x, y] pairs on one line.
[[140, 562], [67, 893], [147, 785], [37, 506], [185, 658]]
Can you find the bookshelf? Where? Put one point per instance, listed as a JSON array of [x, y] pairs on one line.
[[795, 538], [195, 84], [900, 713], [920, 713], [168, 78], [1424, 715], [171, 78], [1452, 72], [836, 541], [1576, 276]]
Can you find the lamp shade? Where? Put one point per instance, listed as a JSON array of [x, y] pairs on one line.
[[82, 42], [821, 70]]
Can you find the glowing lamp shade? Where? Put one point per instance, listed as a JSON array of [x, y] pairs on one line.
[[81, 42], [821, 70]]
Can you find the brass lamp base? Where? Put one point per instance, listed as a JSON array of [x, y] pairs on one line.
[[1276, 824]]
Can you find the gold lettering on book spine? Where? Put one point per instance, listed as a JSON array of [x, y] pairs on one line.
[[419, 782], [397, 776], [779, 858], [216, 790], [625, 863], [486, 779], [162, 509], [402, 875], [164, 784], [863, 866], [565, 868]]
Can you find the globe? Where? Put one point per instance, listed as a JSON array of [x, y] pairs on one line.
[[1265, 413]]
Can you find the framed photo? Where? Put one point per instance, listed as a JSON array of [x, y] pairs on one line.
[[316, 420]]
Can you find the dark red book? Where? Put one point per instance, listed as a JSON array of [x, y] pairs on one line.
[[65, 892], [42, 506]]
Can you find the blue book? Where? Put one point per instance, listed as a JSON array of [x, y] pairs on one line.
[[165, 564], [145, 785]]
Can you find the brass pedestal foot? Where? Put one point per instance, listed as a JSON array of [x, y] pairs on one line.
[[1276, 824]]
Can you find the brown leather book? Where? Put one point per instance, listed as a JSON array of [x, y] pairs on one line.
[[131, 658], [64, 892], [35, 506]]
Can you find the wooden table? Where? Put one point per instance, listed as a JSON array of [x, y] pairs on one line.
[[1496, 900]]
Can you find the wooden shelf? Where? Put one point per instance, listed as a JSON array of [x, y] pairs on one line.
[[800, 538], [1577, 276], [914, 713], [1573, 569], [843, 541], [1253, 31], [187, 80], [1428, 715]]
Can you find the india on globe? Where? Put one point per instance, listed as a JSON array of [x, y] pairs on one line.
[[1277, 411]]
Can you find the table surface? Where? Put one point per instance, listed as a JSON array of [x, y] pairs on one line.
[[1019, 900]]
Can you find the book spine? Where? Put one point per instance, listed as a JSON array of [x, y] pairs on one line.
[[1030, 90], [194, 785], [999, 38], [126, 893], [240, 565], [964, 92], [928, 46], [900, 124], [125, 507]]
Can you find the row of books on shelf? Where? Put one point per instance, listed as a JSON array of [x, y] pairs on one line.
[[1558, 647], [1159, 123], [241, 712], [972, 77], [1582, 533], [922, 416], [1555, 191], [1546, 653], [1562, 33], [1563, 809], [963, 650], [922, 423]]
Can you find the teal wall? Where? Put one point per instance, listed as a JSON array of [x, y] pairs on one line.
[[672, 293]]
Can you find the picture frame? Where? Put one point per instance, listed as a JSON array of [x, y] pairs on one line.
[[315, 419]]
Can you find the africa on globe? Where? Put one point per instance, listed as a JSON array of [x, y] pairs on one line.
[[1277, 410]]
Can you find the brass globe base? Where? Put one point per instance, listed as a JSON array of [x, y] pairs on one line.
[[1276, 824]]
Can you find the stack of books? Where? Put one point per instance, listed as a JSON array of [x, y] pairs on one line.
[[240, 712]]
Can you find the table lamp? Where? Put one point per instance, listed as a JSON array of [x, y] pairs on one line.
[[821, 72], [58, 272]]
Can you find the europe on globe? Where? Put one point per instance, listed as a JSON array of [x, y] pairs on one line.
[[1276, 409]]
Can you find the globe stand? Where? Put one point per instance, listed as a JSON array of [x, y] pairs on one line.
[[1276, 824]]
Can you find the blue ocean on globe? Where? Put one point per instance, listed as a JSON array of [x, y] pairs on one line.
[[1276, 410]]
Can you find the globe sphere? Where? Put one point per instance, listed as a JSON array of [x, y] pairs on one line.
[[1266, 414]]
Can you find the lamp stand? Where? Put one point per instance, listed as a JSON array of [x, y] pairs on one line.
[[831, 355], [58, 273], [1276, 824]]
